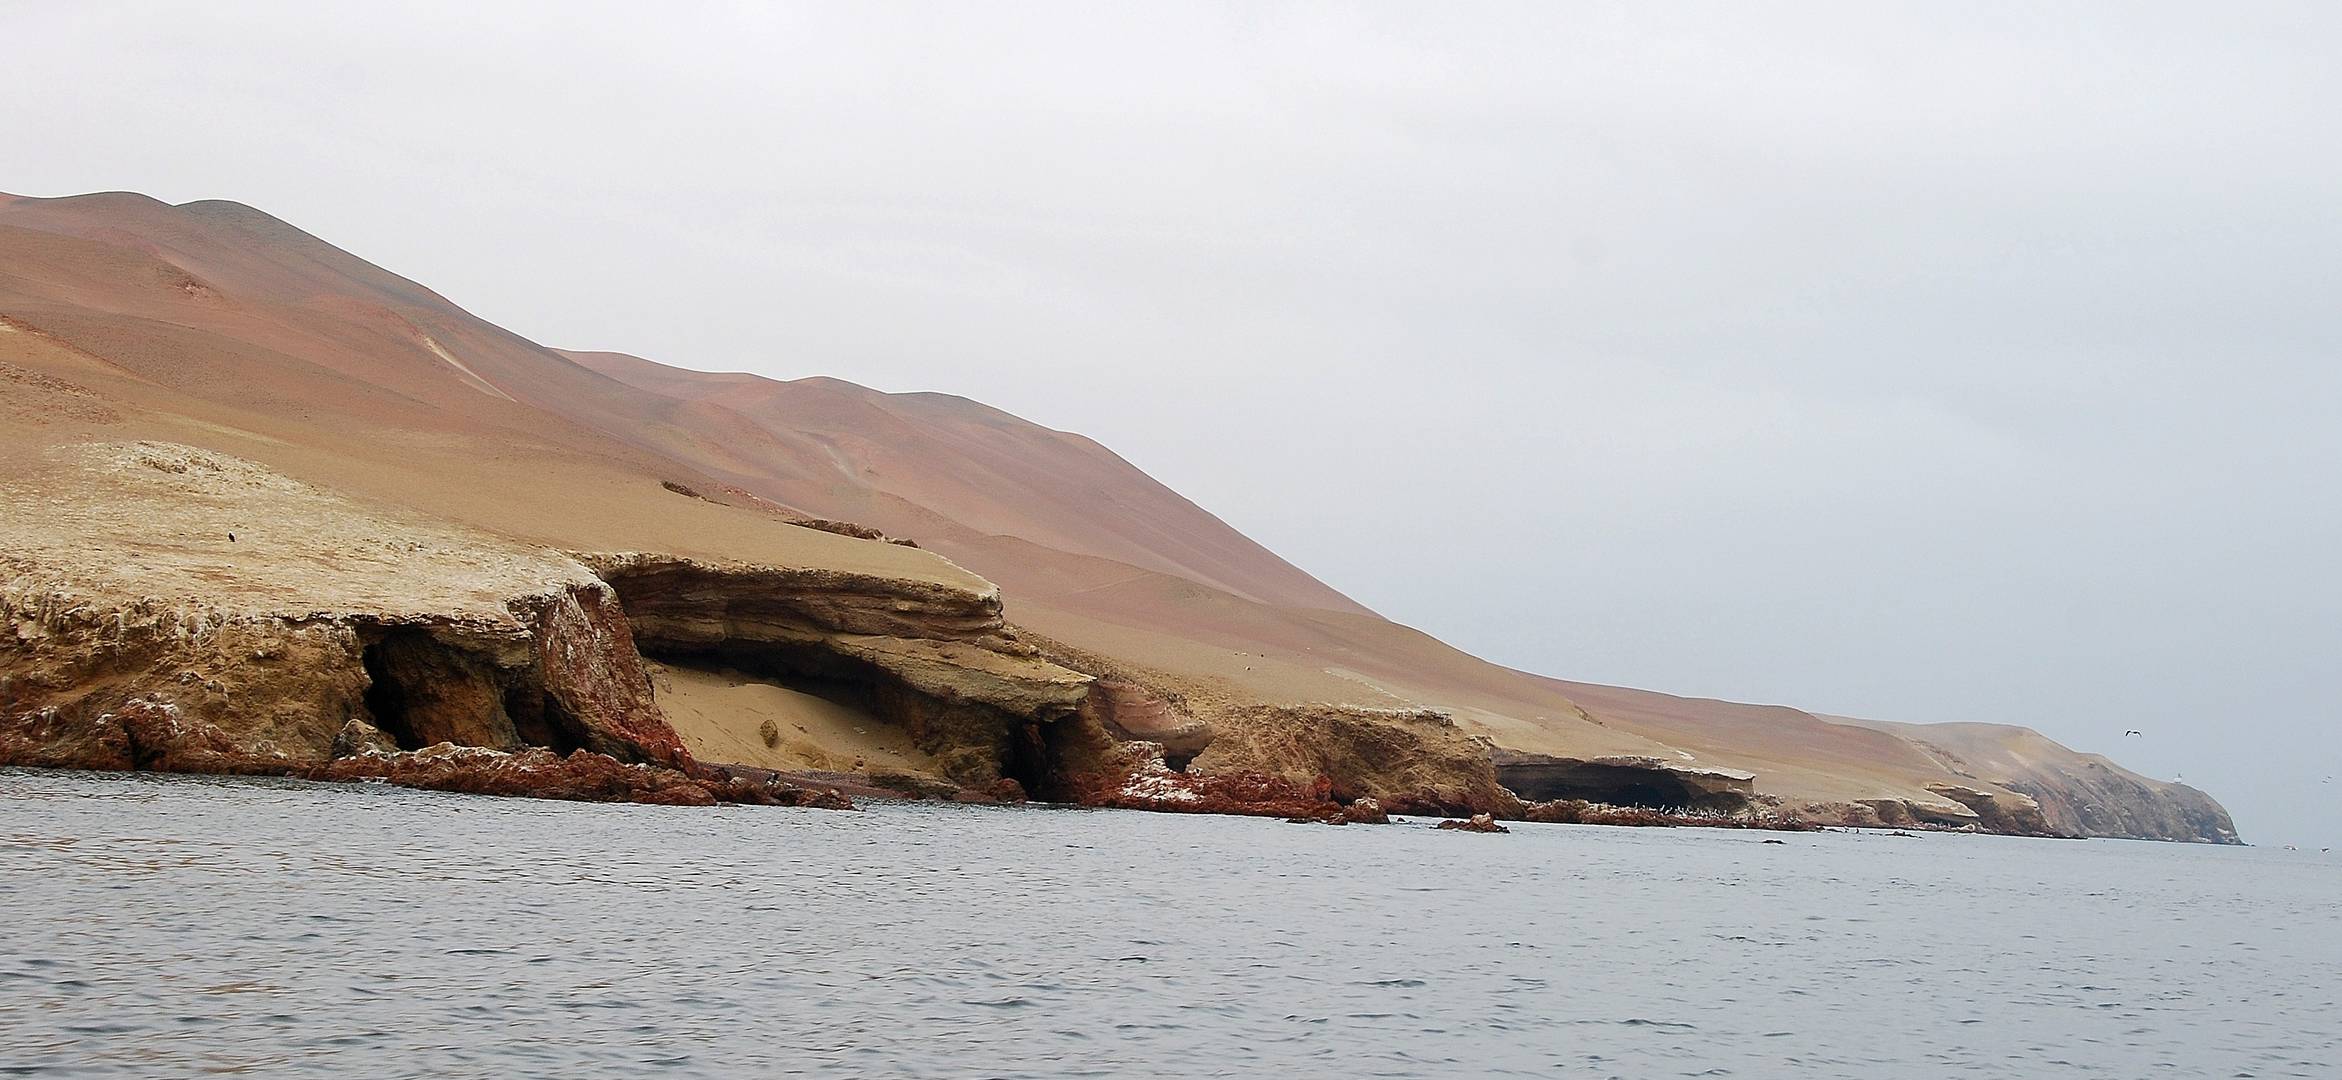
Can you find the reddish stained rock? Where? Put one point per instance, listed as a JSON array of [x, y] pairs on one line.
[[751, 792], [443, 693], [143, 732], [1477, 823], [1006, 790], [585, 648], [583, 776], [1365, 812], [1140, 781]]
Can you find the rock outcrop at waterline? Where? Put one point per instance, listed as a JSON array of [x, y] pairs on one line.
[[581, 776], [1411, 761], [1628, 780]]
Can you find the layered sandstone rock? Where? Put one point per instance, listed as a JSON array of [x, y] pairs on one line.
[[1131, 711], [1412, 761], [261, 625], [178, 609], [936, 660]]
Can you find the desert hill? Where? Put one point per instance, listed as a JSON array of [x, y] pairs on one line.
[[1051, 578]]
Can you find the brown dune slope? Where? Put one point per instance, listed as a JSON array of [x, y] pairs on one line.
[[856, 452], [214, 325]]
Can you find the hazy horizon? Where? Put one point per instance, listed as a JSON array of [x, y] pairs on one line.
[[1916, 365]]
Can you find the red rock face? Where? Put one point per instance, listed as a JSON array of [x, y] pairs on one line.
[[594, 677], [1006, 791], [437, 693], [142, 733]]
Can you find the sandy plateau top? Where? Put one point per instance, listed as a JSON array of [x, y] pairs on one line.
[[204, 529]]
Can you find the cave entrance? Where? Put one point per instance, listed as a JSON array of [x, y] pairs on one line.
[[538, 719], [421, 691], [801, 707], [1045, 756], [386, 695], [1615, 785]]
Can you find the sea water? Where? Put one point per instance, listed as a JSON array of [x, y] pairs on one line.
[[177, 926]]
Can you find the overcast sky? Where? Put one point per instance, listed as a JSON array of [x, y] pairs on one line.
[[1925, 362]]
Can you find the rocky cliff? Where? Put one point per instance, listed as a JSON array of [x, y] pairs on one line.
[[2069, 794]]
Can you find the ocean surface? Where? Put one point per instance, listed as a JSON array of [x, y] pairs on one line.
[[156, 927]]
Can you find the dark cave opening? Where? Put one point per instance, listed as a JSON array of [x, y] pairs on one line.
[[539, 720], [1614, 785], [421, 691], [386, 696]]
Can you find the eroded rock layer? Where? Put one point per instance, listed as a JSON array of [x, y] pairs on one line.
[[937, 661], [176, 609], [1414, 761]]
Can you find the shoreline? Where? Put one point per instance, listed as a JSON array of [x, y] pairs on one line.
[[751, 786]]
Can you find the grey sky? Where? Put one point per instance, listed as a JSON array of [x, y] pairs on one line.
[[1921, 362]]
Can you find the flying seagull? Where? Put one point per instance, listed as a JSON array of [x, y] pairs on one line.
[[2134, 731]]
